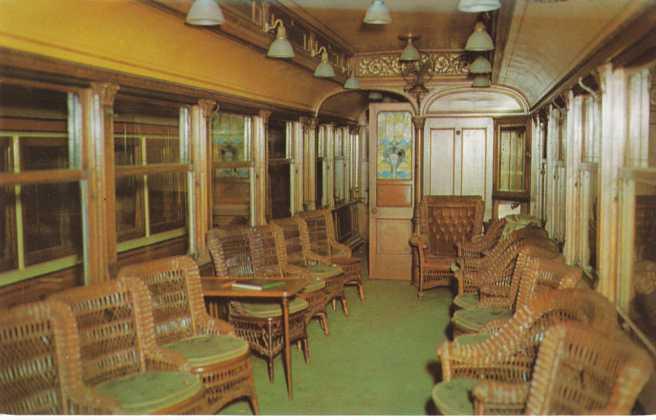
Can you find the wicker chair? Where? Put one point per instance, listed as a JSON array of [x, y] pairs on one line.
[[479, 244], [301, 259], [578, 371], [496, 277], [269, 253], [444, 222], [533, 274], [260, 324], [216, 355], [33, 364], [323, 243], [116, 364], [508, 354]]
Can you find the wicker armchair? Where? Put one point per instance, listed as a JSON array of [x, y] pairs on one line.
[[260, 324], [508, 354], [533, 274], [269, 253], [323, 243], [578, 371], [496, 278], [444, 222], [476, 247], [301, 259], [216, 355], [33, 365], [115, 363]]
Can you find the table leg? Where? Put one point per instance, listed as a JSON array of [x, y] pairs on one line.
[[287, 347]]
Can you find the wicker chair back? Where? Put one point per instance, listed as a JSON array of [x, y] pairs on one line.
[[291, 231], [321, 230], [268, 253], [230, 251], [448, 220]]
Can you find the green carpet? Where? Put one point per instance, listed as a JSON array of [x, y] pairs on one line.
[[380, 360]]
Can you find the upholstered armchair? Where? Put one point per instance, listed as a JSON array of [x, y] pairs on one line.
[[444, 223], [115, 364], [323, 243], [261, 324], [300, 258], [476, 247], [533, 274], [508, 355], [579, 371], [216, 354], [34, 365]]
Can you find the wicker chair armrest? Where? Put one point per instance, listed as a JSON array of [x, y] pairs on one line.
[[213, 326], [296, 271], [164, 359], [419, 240], [497, 291], [314, 257], [494, 325], [491, 397], [472, 247], [341, 249]]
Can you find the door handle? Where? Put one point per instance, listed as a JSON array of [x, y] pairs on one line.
[[374, 210]]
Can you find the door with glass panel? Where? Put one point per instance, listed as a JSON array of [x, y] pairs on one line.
[[512, 163], [391, 190]]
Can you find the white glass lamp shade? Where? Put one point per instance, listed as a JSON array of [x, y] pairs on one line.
[[481, 81], [410, 53], [480, 66], [377, 13], [479, 40], [205, 13], [352, 83], [478, 6], [324, 69], [280, 47]]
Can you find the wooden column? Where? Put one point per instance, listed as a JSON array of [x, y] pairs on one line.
[[298, 164], [201, 160], [260, 155], [102, 234], [611, 158], [309, 162], [418, 123], [573, 160]]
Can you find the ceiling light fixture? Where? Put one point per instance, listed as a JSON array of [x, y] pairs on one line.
[[410, 52], [377, 13], [280, 47], [478, 6], [205, 13], [352, 82], [481, 81], [479, 40], [480, 66], [324, 69]]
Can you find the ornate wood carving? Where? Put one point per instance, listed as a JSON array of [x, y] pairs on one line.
[[445, 63]]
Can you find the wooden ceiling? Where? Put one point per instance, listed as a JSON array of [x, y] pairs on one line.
[[439, 23]]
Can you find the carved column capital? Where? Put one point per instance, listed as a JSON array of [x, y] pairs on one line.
[[418, 122], [208, 106], [265, 115], [106, 91]]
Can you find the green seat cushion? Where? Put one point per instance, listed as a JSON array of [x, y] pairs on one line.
[[205, 350], [474, 319], [466, 300], [150, 392], [453, 398], [467, 339], [324, 271], [266, 310], [314, 285]]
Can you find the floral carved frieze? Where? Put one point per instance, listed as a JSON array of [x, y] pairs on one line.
[[445, 63]]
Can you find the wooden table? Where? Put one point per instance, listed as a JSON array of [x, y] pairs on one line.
[[222, 287]]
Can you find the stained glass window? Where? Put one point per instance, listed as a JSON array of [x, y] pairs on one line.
[[394, 159]]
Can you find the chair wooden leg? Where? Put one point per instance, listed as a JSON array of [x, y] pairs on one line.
[[323, 320], [270, 368], [306, 350], [361, 291], [344, 303], [299, 345], [333, 303], [255, 405]]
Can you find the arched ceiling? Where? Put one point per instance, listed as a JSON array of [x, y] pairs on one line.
[[547, 40]]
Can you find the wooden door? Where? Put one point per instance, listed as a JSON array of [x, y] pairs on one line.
[[458, 156], [391, 156]]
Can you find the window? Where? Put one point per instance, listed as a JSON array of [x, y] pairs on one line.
[[512, 165], [320, 163], [340, 165], [151, 158], [279, 188], [41, 221], [232, 170]]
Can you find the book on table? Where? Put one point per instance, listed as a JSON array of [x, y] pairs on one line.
[[257, 284]]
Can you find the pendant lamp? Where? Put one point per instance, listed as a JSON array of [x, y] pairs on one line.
[[478, 6], [410, 52], [377, 13], [205, 13], [481, 81], [352, 83], [480, 66], [479, 40]]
